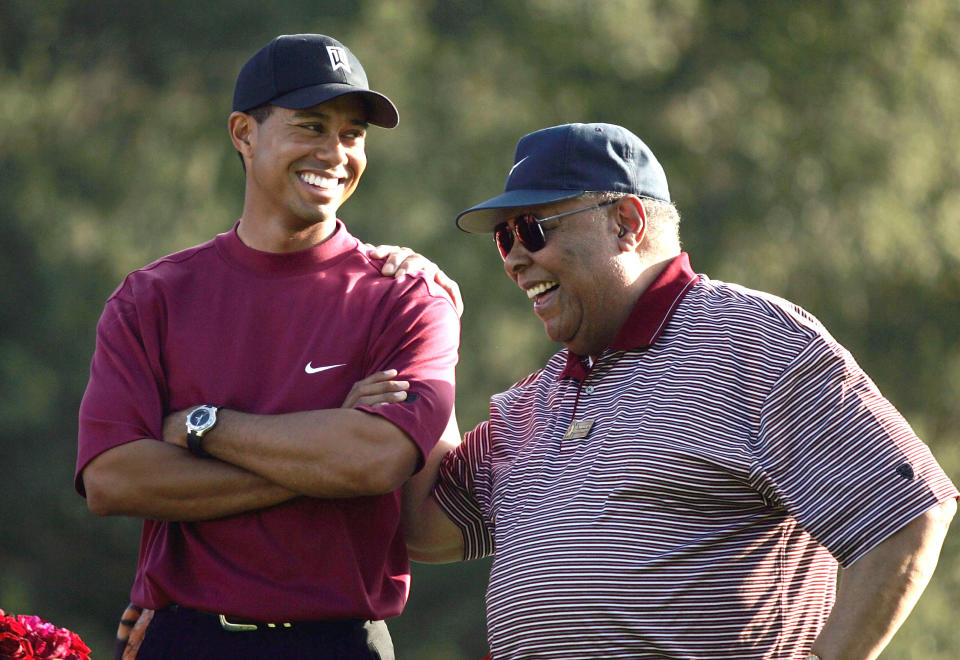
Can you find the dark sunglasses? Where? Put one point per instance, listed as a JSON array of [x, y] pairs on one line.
[[527, 229]]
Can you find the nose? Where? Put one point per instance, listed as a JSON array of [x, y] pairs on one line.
[[331, 151], [516, 260]]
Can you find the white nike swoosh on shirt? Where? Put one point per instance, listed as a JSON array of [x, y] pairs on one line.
[[310, 369]]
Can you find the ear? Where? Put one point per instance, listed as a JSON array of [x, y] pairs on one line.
[[632, 223], [243, 129]]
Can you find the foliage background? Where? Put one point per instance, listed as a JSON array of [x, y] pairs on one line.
[[811, 146]]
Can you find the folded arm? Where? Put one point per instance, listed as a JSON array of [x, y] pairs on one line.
[[151, 479], [875, 594], [163, 481], [320, 453]]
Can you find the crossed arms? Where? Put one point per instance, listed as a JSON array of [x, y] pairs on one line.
[[258, 461]]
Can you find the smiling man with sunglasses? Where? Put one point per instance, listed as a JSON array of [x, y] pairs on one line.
[[683, 478]]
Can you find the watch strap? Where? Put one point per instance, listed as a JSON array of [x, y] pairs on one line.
[[194, 444]]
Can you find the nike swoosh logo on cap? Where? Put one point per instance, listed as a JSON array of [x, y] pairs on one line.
[[310, 369], [515, 165]]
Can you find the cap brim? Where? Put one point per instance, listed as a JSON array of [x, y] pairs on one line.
[[380, 109], [482, 218]]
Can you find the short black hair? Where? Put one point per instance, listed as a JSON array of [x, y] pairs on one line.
[[261, 112]]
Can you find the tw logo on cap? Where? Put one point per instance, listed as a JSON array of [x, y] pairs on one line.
[[338, 58]]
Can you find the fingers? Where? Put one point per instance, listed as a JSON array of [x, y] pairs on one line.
[[400, 261], [137, 634], [130, 616], [395, 257], [377, 390], [452, 288], [415, 263], [379, 251]]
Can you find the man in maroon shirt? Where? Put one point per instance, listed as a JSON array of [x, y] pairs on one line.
[[221, 406]]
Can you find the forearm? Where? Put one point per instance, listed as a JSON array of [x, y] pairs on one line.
[[877, 593], [156, 480], [440, 541], [319, 453], [431, 537]]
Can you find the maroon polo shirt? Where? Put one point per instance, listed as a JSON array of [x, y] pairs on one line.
[[267, 333]]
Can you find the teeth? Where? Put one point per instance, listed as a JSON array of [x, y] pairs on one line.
[[536, 290], [318, 180]]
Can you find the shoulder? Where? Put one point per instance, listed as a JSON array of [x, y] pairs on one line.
[[414, 289], [166, 271], [760, 336], [734, 309]]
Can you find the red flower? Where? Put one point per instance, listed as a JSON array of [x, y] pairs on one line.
[[14, 647], [13, 643], [32, 638]]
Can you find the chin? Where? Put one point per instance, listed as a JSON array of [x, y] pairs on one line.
[[554, 337], [319, 215]]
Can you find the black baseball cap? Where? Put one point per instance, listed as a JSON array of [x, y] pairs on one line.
[[563, 162], [303, 70]]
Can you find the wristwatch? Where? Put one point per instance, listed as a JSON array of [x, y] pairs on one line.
[[200, 420], [812, 656]]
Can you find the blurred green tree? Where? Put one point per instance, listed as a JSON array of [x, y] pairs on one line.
[[812, 148]]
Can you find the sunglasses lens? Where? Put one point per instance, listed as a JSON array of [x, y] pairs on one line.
[[503, 235], [526, 228], [530, 232]]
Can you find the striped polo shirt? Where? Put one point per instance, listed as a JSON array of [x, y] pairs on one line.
[[690, 493]]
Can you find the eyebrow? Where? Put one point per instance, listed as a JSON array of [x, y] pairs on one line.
[[313, 114]]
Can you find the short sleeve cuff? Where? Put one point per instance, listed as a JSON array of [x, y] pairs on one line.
[[465, 513]]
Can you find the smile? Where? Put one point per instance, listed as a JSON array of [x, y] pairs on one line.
[[320, 181], [537, 289]]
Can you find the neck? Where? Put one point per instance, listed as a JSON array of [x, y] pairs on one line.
[[635, 282], [649, 270], [275, 237]]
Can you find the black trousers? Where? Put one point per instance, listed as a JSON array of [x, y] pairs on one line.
[[184, 634]]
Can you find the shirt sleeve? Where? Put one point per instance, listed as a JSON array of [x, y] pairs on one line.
[[420, 340], [123, 401], [462, 485], [840, 458]]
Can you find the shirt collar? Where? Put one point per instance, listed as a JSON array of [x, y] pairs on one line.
[[287, 264], [649, 315]]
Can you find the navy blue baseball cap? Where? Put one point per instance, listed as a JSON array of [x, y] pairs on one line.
[[303, 70], [566, 161]]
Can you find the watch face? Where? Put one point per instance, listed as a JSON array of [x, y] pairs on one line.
[[199, 416]]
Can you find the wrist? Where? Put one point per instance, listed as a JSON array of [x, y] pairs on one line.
[[200, 421]]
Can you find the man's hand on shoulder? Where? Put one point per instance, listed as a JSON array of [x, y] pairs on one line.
[[402, 260]]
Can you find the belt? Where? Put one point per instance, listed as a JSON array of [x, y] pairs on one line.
[[238, 624]]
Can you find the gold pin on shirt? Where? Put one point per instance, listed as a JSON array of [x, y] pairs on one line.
[[578, 430]]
